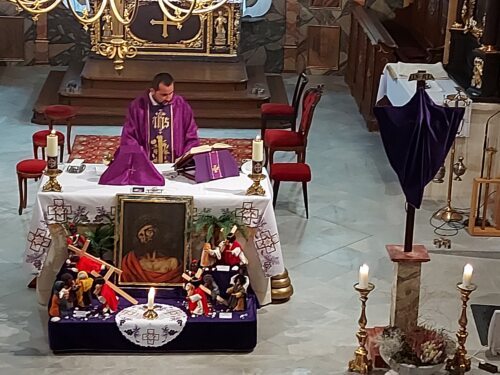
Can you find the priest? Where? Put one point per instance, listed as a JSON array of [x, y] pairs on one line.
[[160, 128], [161, 122]]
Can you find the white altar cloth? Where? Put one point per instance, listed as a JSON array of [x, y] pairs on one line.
[[83, 199], [399, 91]]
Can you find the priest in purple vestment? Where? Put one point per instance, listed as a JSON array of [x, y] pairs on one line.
[[159, 128], [161, 122]]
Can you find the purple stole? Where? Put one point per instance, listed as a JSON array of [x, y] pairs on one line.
[[161, 134]]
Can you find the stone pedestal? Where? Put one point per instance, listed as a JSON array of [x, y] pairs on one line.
[[405, 294]]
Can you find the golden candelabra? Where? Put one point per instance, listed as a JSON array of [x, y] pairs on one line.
[[150, 313], [256, 188], [52, 184], [361, 363], [460, 363]]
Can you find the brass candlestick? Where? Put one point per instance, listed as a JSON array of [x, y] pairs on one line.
[[52, 184], [256, 188], [361, 363], [460, 363], [150, 313]]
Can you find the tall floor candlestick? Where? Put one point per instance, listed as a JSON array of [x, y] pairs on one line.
[[361, 363], [460, 363]]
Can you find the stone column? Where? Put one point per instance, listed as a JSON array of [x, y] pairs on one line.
[[405, 296]]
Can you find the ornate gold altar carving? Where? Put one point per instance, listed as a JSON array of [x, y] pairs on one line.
[[215, 34], [110, 23], [477, 73], [469, 22]]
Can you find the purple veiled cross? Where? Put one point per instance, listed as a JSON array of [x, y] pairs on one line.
[[417, 137]]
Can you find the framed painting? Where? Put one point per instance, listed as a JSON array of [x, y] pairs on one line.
[[152, 239]]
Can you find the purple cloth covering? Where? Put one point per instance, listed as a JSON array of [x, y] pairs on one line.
[[131, 166], [214, 165], [417, 138]]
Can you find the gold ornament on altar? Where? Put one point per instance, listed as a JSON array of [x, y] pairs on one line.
[[220, 29], [477, 73], [117, 16]]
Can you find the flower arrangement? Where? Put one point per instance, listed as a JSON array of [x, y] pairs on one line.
[[422, 346]]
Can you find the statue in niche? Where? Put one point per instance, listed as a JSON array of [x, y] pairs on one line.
[[477, 73], [220, 29], [107, 28]]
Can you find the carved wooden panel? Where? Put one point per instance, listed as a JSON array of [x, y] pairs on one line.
[[11, 38], [323, 47]]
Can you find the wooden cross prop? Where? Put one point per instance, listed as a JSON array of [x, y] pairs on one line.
[[197, 275], [110, 271]]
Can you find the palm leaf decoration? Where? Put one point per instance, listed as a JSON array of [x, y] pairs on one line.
[[212, 225]]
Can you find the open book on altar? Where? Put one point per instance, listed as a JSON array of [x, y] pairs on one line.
[[207, 162]]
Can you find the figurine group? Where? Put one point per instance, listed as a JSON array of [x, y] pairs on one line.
[[228, 252], [70, 293], [204, 295]]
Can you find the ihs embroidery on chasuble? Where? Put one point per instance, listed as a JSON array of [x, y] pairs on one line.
[[160, 137]]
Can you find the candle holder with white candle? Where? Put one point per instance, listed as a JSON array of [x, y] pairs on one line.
[[257, 163], [150, 312], [52, 171], [461, 363], [361, 364]]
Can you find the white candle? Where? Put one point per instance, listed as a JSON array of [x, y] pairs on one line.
[[467, 277], [257, 149], [151, 298], [52, 144], [363, 276]]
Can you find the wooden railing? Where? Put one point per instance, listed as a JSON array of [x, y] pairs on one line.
[[371, 47]]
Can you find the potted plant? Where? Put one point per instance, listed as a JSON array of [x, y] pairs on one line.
[[423, 350], [102, 240]]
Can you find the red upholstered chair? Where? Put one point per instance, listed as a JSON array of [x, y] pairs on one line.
[[40, 141], [291, 172], [58, 114], [284, 112], [29, 168], [286, 140]]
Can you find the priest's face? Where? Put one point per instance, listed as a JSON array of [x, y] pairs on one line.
[[164, 94]]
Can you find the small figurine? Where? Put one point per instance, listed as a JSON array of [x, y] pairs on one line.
[[54, 309], [237, 300], [69, 289], [232, 253], [243, 272], [210, 284], [105, 295], [83, 291], [74, 237], [209, 256], [76, 263], [196, 297]]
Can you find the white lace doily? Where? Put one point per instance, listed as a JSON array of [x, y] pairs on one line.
[[153, 333]]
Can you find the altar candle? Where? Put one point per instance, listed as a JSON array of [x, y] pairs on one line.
[[151, 298], [257, 149], [467, 277], [52, 144], [363, 276]]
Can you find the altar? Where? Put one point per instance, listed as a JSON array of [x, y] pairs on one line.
[[84, 200]]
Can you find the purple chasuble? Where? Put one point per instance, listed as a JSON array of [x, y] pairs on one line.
[[136, 136]]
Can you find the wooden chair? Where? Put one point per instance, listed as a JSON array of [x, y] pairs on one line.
[[61, 114], [291, 172], [29, 168], [40, 141], [289, 140], [284, 112]]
